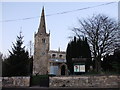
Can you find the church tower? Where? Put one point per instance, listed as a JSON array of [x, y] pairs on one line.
[[41, 48]]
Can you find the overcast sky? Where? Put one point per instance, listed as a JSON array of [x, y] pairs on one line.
[[60, 25]]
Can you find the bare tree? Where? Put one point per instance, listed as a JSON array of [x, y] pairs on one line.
[[103, 35]]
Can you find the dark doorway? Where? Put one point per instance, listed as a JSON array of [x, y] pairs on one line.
[[63, 70]]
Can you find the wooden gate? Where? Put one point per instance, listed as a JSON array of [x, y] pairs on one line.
[[39, 80]]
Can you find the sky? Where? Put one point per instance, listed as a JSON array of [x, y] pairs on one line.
[[59, 25]]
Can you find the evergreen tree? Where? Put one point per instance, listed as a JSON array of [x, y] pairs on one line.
[[69, 58], [18, 62], [78, 48], [87, 54]]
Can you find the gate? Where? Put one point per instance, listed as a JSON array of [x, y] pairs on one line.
[[40, 80]]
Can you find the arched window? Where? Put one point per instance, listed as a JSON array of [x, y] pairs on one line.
[[53, 55], [43, 40], [60, 56]]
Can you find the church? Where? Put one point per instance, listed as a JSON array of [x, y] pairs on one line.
[[47, 61]]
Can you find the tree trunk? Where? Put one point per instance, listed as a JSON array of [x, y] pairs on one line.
[[98, 65]]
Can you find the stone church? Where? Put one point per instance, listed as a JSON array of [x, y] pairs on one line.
[[47, 61]]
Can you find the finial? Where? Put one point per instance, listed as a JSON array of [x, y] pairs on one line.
[[49, 31], [59, 49]]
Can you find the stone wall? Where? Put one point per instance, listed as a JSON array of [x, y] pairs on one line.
[[110, 81], [15, 81]]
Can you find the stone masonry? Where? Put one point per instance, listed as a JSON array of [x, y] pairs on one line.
[[41, 48], [111, 81], [15, 81]]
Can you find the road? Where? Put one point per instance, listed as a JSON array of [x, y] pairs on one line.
[[46, 88]]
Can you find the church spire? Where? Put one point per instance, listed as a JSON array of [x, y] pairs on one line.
[[42, 26]]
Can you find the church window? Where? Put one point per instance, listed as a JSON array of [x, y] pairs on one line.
[[53, 55], [60, 56], [43, 40]]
